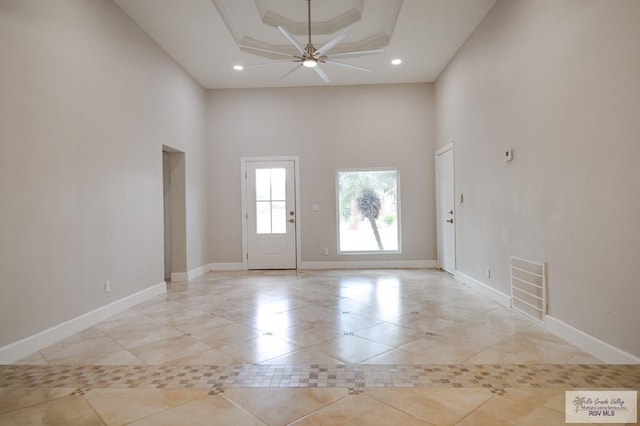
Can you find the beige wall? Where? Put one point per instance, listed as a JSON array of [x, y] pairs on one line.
[[86, 102], [559, 82], [328, 128]]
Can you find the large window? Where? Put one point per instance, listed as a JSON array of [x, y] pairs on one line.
[[368, 211]]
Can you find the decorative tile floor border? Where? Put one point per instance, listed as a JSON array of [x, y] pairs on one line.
[[495, 377]]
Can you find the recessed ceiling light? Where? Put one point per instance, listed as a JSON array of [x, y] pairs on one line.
[[238, 67], [396, 61]]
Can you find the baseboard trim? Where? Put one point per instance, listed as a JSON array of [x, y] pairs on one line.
[[480, 287], [179, 276], [596, 347], [371, 264], [22, 348], [361, 264], [231, 266], [592, 345], [198, 272]]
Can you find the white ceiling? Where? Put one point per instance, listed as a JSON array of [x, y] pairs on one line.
[[202, 36]]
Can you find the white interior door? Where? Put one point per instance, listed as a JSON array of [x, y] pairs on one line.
[[446, 209], [271, 215]]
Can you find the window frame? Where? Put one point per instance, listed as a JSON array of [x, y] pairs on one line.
[[398, 211]]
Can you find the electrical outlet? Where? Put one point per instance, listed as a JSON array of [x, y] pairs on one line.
[[508, 155], [107, 286], [488, 272], [325, 251]]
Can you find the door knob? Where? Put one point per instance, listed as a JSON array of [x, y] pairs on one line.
[[291, 221], [450, 221]]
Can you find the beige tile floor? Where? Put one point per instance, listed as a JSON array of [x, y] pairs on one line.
[[326, 318]]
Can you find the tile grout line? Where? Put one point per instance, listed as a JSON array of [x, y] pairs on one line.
[[260, 419], [317, 409], [399, 409], [95, 411], [475, 409]]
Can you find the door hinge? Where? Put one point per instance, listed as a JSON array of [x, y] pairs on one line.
[[247, 256], [245, 175], [246, 216]]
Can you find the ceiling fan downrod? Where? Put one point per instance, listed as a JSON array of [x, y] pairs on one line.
[[309, 60]]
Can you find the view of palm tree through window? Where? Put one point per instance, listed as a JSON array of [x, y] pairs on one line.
[[368, 210]]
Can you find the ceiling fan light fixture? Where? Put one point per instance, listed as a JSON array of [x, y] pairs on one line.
[[309, 56], [396, 61], [310, 63], [238, 67]]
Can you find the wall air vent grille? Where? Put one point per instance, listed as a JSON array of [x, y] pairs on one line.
[[529, 287]]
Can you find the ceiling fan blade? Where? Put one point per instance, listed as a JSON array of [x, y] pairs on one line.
[[323, 75], [292, 39], [275, 52], [348, 66], [356, 54], [333, 42], [294, 69], [265, 63]]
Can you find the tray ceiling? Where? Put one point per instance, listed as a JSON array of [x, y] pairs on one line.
[[203, 37]]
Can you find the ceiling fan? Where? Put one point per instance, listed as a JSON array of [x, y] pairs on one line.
[[310, 56]]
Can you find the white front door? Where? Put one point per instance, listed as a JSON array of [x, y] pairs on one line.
[[270, 214], [445, 209]]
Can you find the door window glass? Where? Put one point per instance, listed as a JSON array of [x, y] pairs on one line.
[[271, 214]]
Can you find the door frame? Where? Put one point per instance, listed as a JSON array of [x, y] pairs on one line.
[[439, 233], [177, 255], [298, 216]]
